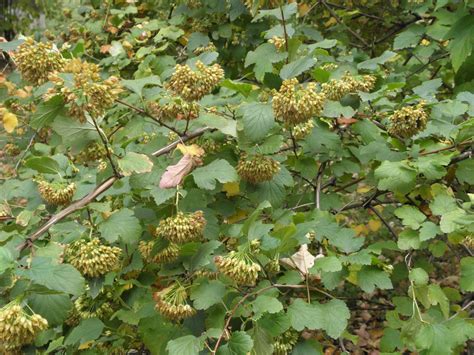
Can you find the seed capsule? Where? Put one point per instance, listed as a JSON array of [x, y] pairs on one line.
[[102, 306], [56, 193], [182, 228], [294, 104], [408, 121], [257, 169], [337, 89], [168, 254], [174, 108], [239, 267], [92, 258], [172, 302], [285, 342]]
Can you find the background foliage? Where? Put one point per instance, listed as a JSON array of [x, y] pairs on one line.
[[390, 219]]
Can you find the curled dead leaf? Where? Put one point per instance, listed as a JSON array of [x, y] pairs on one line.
[[302, 260], [175, 174]]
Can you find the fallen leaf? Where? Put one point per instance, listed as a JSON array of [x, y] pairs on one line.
[[10, 121], [374, 225], [104, 49], [175, 174]]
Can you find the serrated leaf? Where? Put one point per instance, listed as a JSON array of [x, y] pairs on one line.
[[331, 317], [47, 111], [187, 345], [205, 177], [328, 264], [263, 57], [58, 277], [266, 304], [226, 126], [419, 276], [299, 66], [257, 120], [137, 85], [239, 343], [207, 293], [369, 278], [121, 225], [87, 330], [135, 163], [410, 216], [371, 64], [467, 274], [55, 308], [43, 165], [396, 176]]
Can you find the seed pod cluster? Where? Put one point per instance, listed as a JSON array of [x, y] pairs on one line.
[[168, 254], [88, 93], [92, 258], [92, 153], [285, 342], [86, 307], [182, 228], [11, 149], [257, 169], [174, 108], [211, 47], [337, 89], [294, 104], [171, 302], [193, 85], [301, 130], [56, 193], [278, 42], [239, 267], [273, 266], [36, 61], [408, 121], [468, 242], [17, 328]]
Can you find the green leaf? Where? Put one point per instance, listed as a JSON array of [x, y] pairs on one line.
[[428, 231], [427, 89], [220, 170], [419, 276], [409, 38], [369, 278], [47, 111], [226, 126], [7, 261], [87, 330], [207, 293], [410, 216], [55, 308], [156, 341], [310, 346], [187, 345], [437, 296], [242, 88], [461, 44], [43, 165], [467, 274], [293, 69], [135, 163], [137, 85], [371, 64], [257, 120], [275, 324], [162, 195], [266, 304], [10, 45], [263, 57], [433, 166], [328, 264], [262, 341], [57, 277], [336, 110], [239, 343], [396, 176], [331, 317], [121, 225], [465, 171]]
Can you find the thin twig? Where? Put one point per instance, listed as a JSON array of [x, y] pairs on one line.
[[103, 138], [25, 151], [389, 227], [283, 23]]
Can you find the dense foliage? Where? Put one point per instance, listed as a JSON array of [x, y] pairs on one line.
[[234, 177]]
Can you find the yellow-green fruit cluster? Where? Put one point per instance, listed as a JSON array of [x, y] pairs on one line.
[[204, 49], [278, 42], [273, 266], [89, 93], [302, 130], [93, 152], [56, 193], [172, 303], [239, 267], [257, 169], [17, 328], [468, 242], [174, 108], [11, 149], [86, 307], [336, 89], [182, 228], [93, 258], [285, 342], [36, 61], [193, 85], [408, 121], [168, 254], [294, 104]]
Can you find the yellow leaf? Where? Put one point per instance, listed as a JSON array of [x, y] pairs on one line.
[[21, 94], [86, 345], [10, 121], [363, 189], [237, 217], [303, 9], [193, 150], [374, 225], [331, 22], [231, 189], [361, 229]]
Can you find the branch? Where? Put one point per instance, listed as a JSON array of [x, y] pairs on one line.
[[389, 227], [104, 186]]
